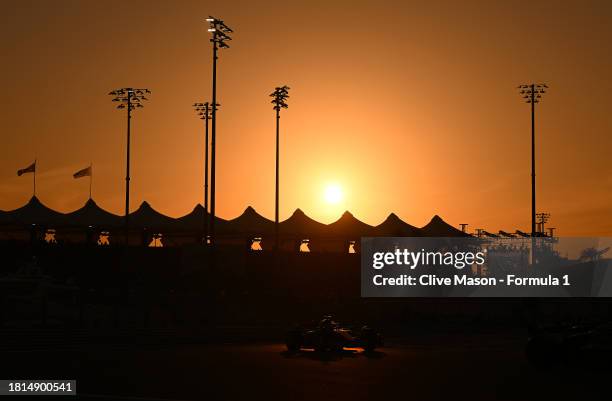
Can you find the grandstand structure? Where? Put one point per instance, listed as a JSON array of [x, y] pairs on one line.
[[93, 225]]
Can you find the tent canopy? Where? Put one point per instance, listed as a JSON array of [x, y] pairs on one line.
[[393, 226], [301, 226], [194, 220], [439, 228], [93, 215], [250, 223], [34, 212], [349, 227], [148, 218]]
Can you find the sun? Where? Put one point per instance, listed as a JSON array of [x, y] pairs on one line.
[[333, 194]]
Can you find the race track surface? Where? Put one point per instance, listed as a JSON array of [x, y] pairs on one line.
[[454, 367]]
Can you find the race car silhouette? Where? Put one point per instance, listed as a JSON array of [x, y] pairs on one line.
[[328, 335]]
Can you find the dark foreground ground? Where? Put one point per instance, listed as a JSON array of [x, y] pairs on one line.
[[459, 366]]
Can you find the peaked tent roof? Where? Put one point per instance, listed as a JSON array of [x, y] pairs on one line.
[[4, 217], [299, 224], [393, 226], [33, 212], [147, 217], [439, 228], [194, 220], [93, 215], [347, 226], [249, 222]]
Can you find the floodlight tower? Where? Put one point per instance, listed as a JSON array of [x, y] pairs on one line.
[[279, 100], [532, 93], [128, 98], [204, 111], [220, 34], [542, 220]]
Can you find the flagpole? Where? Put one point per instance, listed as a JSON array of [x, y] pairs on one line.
[[90, 179], [34, 191]]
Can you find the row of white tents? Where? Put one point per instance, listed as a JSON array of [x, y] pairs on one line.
[[250, 225]]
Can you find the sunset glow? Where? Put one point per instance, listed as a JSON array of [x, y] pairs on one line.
[[414, 138], [333, 194], [240, 200]]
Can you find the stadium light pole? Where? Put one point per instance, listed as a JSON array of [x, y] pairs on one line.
[[130, 99], [542, 220], [204, 112], [220, 34], [279, 100], [532, 93]]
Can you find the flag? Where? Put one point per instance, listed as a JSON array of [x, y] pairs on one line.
[[30, 169], [86, 172]]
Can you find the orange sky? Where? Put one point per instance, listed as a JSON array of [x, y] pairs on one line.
[[410, 107]]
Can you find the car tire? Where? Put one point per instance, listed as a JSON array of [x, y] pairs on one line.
[[293, 342], [370, 339]]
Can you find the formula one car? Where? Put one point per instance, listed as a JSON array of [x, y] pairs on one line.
[[328, 335]]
